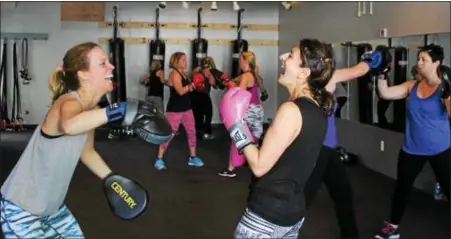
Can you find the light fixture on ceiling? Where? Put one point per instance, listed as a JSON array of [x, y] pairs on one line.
[[236, 7], [185, 5], [214, 6], [287, 5], [162, 5]]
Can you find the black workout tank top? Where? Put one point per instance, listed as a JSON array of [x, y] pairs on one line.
[[279, 196], [156, 88], [179, 103]]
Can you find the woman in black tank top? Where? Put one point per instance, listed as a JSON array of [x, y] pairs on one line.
[[201, 100], [286, 159], [179, 109], [154, 81]]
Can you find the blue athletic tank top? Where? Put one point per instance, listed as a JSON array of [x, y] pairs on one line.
[[331, 139], [427, 126]]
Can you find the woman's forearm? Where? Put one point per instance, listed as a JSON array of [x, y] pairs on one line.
[[92, 160], [85, 122]]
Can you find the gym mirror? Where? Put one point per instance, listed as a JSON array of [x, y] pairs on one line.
[[358, 100]]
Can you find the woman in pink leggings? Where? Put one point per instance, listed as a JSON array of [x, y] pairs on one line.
[[178, 110], [250, 81]]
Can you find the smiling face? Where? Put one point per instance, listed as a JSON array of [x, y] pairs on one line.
[[293, 72], [99, 72]]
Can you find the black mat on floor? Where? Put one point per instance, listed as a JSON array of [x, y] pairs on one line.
[[189, 202]]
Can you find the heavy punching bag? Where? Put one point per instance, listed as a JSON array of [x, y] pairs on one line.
[[199, 45], [400, 76], [157, 46], [238, 46], [116, 47], [365, 89]]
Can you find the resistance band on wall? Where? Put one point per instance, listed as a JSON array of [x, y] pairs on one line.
[[4, 87], [200, 45], [157, 46], [239, 45], [16, 118], [24, 74], [116, 47]]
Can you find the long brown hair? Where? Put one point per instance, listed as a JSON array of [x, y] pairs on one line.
[[64, 79], [318, 57]]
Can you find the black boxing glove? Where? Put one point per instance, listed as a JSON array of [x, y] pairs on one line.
[[147, 122], [264, 95], [220, 77], [445, 85], [126, 198]]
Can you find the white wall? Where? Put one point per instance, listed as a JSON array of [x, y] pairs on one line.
[[44, 17]]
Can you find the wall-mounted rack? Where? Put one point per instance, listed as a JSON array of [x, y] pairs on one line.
[[187, 41], [28, 36], [187, 25]]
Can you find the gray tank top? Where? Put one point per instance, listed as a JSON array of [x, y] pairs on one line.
[[39, 181]]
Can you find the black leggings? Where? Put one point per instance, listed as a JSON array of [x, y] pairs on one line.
[[203, 111], [338, 185], [409, 166]]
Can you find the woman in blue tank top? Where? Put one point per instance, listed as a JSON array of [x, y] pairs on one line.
[[427, 137]]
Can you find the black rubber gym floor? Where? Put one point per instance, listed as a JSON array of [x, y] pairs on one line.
[[189, 202]]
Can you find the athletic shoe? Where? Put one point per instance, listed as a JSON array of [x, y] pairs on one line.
[[227, 173], [207, 136], [388, 232], [159, 164], [195, 161]]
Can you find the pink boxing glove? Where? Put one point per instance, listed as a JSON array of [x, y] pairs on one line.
[[232, 109]]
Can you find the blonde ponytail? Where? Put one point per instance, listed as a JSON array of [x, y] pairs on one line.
[[256, 69], [56, 84]]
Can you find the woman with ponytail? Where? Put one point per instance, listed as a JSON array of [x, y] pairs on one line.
[[292, 161], [248, 80], [32, 202], [281, 167]]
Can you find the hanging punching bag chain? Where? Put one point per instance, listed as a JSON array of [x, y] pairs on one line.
[[24, 60], [115, 22]]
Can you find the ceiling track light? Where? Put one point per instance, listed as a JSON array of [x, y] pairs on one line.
[[236, 7], [287, 5], [162, 5], [214, 6]]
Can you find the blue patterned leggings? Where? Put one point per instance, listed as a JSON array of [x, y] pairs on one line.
[[253, 226], [18, 223]]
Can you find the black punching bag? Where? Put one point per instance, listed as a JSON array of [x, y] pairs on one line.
[[116, 47], [365, 89], [238, 46], [157, 46], [199, 45], [400, 76]]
